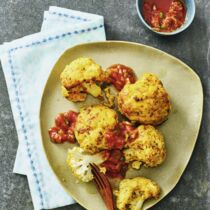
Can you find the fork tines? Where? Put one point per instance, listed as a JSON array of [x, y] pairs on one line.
[[103, 186]]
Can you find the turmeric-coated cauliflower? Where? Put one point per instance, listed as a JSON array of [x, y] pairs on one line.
[[78, 161], [148, 148], [133, 192], [145, 101], [91, 125], [81, 77]]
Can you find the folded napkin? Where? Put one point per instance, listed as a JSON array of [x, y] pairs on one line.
[[26, 63]]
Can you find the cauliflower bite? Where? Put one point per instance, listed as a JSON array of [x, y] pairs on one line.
[[78, 161], [91, 125], [81, 77], [133, 192], [145, 101], [148, 148]]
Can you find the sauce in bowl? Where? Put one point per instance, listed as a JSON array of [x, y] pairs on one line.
[[164, 15]]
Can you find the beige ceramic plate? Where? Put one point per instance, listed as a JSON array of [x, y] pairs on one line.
[[180, 131]]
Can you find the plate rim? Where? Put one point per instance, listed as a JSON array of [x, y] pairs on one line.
[[128, 43]]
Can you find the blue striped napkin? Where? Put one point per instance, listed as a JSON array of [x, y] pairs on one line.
[[26, 63]]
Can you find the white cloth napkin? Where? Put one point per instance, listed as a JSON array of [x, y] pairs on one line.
[[26, 63]]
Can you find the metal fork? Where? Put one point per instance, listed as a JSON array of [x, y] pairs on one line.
[[103, 186]]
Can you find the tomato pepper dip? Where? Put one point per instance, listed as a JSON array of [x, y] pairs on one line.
[[164, 15]]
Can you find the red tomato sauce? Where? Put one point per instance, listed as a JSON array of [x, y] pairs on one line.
[[120, 75], [115, 164], [164, 15], [64, 128], [117, 137]]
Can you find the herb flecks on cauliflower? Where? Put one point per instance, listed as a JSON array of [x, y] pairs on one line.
[[81, 77], [92, 124], [78, 161]]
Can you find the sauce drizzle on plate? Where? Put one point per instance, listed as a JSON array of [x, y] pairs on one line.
[[120, 75]]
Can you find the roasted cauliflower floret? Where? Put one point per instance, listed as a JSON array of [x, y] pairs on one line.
[[81, 77], [78, 161], [91, 125], [148, 148], [145, 101], [133, 192]]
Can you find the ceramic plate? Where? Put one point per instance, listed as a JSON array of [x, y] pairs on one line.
[[180, 130]]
